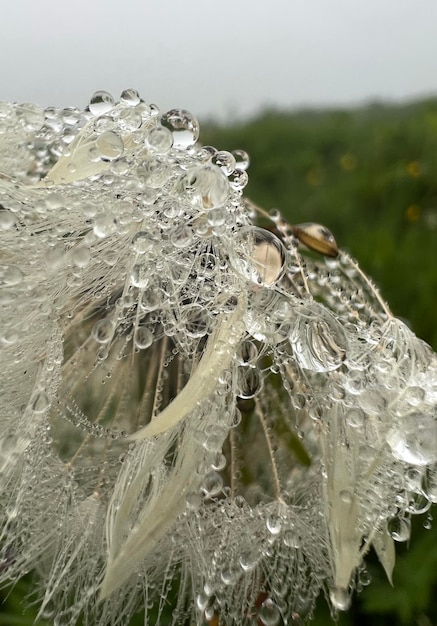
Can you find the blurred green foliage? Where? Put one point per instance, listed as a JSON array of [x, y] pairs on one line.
[[370, 175]]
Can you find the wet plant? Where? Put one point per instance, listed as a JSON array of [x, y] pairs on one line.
[[200, 402]]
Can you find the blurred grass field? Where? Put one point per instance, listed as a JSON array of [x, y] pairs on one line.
[[370, 175]]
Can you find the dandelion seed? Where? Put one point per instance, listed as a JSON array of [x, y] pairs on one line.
[[191, 408]]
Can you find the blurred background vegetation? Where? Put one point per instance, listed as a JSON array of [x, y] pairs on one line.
[[370, 175]]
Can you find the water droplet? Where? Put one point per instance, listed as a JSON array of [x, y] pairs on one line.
[[225, 161], [101, 102], [150, 299], [258, 256], [40, 402], [207, 186], [340, 598], [31, 115], [414, 439], [318, 339], [195, 320], [12, 275], [142, 242], [160, 139], [104, 225], [345, 496], [274, 523], [317, 238], [130, 97], [249, 382], [109, 146], [355, 418], [184, 127], [7, 219], [399, 528], [241, 159], [103, 330], [143, 337], [140, 275], [230, 574], [212, 484], [238, 179], [81, 256], [248, 561], [269, 613]]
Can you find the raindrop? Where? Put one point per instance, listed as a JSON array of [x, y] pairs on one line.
[[142, 242], [258, 256], [238, 179], [130, 97], [195, 320], [40, 402], [318, 340], [160, 139], [103, 330], [212, 484], [207, 185], [399, 528], [140, 275], [150, 299], [101, 102], [355, 418], [143, 337], [317, 238], [81, 256], [269, 614], [109, 146], [104, 225], [12, 276], [184, 127], [225, 161], [249, 382], [7, 219], [241, 159], [414, 440]]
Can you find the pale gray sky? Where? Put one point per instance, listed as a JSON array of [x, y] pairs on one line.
[[219, 58]]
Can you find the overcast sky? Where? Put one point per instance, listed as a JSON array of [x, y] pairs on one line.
[[218, 58]]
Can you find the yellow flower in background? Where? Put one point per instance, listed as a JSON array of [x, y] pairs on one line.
[[348, 162]]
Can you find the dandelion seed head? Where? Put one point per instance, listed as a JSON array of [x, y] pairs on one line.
[[192, 407]]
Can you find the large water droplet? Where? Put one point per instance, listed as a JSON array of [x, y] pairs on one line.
[[81, 256], [241, 159], [317, 238], [160, 139], [269, 614], [140, 275], [130, 97], [103, 330], [101, 102], [109, 146], [7, 219], [184, 127], [143, 337], [40, 402], [399, 528], [318, 340], [142, 242], [207, 186], [414, 440], [258, 256], [249, 382]]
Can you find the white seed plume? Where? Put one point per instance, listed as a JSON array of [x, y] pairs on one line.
[[194, 414]]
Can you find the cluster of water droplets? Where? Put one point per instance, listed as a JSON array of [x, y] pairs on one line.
[[136, 290]]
